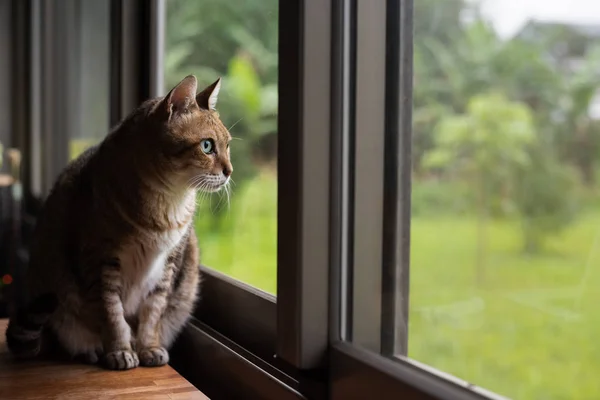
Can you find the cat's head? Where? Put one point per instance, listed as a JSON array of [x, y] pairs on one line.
[[194, 142]]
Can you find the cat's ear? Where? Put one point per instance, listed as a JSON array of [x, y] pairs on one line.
[[181, 97], [207, 99]]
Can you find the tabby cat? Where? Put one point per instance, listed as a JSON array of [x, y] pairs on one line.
[[113, 272]]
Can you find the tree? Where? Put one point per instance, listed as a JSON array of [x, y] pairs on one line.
[[438, 22], [484, 145], [578, 133]]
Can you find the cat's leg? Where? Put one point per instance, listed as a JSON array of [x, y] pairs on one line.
[[181, 302], [74, 337], [151, 352], [72, 330], [117, 333]]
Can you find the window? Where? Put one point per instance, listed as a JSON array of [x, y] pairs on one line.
[[487, 210], [70, 59], [92, 93], [237, 228], [504, 223]]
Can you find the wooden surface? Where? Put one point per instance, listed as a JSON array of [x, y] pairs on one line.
[[29, 380]]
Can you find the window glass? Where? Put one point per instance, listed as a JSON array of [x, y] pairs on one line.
[[505, 228], [237, 41], [91, 64]]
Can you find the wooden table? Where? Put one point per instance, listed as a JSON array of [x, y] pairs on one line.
[[39, 379]]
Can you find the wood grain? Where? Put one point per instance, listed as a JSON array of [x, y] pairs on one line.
[[41, 379]]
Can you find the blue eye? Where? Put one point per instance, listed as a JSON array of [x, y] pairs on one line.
[[207, 146]]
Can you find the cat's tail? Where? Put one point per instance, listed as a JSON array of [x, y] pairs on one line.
[[24, 333]]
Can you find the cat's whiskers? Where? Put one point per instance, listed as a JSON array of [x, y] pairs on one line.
[[199, 185], [234, 124], [204, 185], [228, 193], [191, 183], [220, 199]]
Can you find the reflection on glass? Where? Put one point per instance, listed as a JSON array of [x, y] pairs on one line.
[[505, 257], [237, 41], [91, 119]]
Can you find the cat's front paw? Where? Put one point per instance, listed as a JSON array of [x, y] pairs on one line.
[[154, 356], [122, 359]]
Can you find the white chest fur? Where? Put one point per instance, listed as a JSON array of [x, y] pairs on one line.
[[143, 259]]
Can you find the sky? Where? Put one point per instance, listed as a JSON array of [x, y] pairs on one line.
[[508, 16]]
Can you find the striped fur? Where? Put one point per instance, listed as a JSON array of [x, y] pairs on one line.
[[115, 246]]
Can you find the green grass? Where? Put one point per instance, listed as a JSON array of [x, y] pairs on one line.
[[528, 331], [246, 248]]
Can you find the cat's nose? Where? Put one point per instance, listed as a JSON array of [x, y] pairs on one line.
[[227, 171]]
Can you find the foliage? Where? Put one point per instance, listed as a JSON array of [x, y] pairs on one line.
[[440, 197], [489, 139], [484, 146], [541, 201], [577, 135]]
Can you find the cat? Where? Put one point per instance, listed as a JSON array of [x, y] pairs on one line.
[[114, 264]]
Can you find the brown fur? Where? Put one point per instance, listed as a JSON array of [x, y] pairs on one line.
[[114, 248]]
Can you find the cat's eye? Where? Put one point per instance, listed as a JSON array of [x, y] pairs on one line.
[[207, 146]]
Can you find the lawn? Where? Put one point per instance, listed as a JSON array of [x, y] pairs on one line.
[[528, 331]]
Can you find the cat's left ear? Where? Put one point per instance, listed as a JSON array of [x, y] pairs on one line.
[[181, 97], [207, 99]]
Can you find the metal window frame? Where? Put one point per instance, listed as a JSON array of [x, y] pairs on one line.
[[397, 176], [367, 193], [358, 373], [303, 185], [135, 32]]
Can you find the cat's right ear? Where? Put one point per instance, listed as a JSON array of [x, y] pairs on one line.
[[180, 98]]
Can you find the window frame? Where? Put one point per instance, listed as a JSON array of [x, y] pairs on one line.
[[303, 202], [375, 361]]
